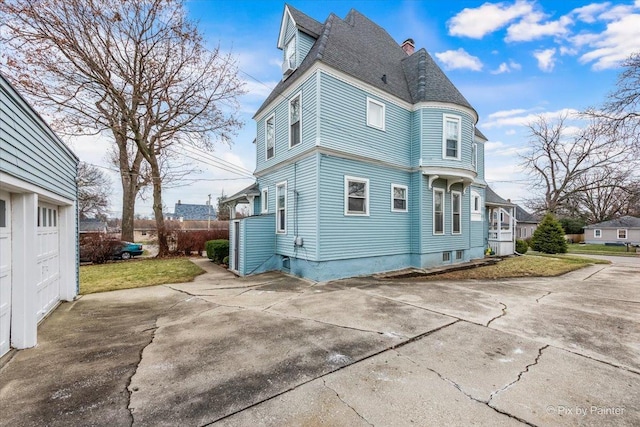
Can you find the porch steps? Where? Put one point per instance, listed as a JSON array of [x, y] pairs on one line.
[[422, 272]]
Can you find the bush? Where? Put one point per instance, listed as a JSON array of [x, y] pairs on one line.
[[98, 248], [225, 260], [217, 250], [521, 246], [195, 241], [549, 237], [572, 225]]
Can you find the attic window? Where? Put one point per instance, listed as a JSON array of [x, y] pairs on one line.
[[375, 114], [289, 56]]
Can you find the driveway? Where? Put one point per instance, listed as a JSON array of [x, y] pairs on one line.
[[275, 350]]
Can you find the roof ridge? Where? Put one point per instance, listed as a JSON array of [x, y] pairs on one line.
[[422, 73], [325, 35]]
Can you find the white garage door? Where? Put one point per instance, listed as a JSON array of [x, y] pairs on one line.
[[5, 272], [48, 259]]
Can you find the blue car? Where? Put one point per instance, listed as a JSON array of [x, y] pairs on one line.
[[128, 250]]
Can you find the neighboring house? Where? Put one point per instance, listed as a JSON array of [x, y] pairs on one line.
[[622, 230], [526, 223], [38, 221], [92, 225], [145, 229], [501, 222], [368, 159], [188, 212]]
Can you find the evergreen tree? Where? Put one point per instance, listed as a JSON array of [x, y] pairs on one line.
[[549, 237]]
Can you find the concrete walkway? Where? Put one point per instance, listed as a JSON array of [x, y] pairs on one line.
[[275, 350]]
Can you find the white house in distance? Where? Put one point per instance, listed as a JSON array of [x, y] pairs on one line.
[[38, 221], [624, 230]]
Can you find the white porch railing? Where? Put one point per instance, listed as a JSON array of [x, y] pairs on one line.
[[500, 236]]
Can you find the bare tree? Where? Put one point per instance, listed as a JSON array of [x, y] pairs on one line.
[[94, 189], [136, 68], [559, 161]]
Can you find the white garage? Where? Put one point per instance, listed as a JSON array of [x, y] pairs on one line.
[[38, 221]]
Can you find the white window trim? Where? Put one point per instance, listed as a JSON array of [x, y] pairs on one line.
[[476, 215], [458, 119], [266, 142], [265, 200], [346, 195], [459, 194], [597, 233], [384, 113], [626, 233], [438, 190], [474, 155], [284, 231], [406, 195], [299, 96]]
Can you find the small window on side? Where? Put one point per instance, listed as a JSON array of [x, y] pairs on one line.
[[399, 198], [375, 114]]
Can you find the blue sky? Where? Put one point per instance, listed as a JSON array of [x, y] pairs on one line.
[[512, 60]]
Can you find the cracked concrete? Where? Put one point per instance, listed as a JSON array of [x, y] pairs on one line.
[[276, 350]]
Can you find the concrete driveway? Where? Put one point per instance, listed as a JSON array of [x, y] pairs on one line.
[[274, 350]]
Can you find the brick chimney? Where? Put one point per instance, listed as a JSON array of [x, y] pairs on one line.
[[408, 46]]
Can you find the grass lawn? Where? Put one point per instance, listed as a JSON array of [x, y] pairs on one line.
[[601, 250], [522, 266], [136, 274]]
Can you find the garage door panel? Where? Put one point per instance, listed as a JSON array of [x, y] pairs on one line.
[[5, 272], [48, 260]]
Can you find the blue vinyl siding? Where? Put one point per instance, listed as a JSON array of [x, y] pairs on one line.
[[432, 122], [415, 138], [281, 111], [343, 125], [416, 210], [30, 151], [478, 233], [382, 232], [258, 242], [480, 169], [305, 43], [301, 184]]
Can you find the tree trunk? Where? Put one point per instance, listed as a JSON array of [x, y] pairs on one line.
[[128, 209], [163, 245]]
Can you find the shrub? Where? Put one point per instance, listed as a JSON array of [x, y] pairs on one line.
[[195, 241], [572, 225], [98, 248], [521, 246], [217, 250], [549, 237], [225, 260]]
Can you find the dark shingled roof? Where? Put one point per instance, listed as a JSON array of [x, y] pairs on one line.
[[524, 216], [305, 23], [623, 222], [362, 49], [193, 212], [493, 199], [251, 190]]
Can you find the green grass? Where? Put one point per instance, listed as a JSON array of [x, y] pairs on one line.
[[136, 274], [522, 266], [601, 250]]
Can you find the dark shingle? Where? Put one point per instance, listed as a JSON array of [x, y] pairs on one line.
[[362, 49], [493, 199], [524, 216], [305, 23], [623, 222]]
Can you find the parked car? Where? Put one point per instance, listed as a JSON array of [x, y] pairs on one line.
[[128, 250], [97, 249]]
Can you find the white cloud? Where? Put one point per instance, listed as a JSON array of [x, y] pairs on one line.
[[518, 118], [530, 28], [506, 113], [612, 46], [478, 22], [455, 59], [588, 13], [507, 67], [510, 132], [546, 60], [617, 12], [564, 50]]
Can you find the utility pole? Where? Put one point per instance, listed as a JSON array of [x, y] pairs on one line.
[[209, 213]]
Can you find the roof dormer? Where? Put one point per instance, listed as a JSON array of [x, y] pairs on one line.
[[298, 33]]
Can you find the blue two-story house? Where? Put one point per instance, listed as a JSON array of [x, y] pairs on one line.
[[368, 159]]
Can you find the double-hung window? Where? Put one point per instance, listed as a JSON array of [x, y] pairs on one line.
[[281, 208], [375, 114], [356, 196], [399, 198], [290, 53], [438, 211], [295, 121], [265, 200], [451, 137], [456, 227], [270, 136], [597, 233], [622, 234]]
